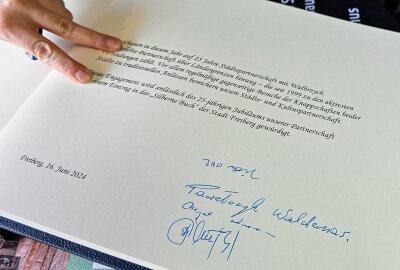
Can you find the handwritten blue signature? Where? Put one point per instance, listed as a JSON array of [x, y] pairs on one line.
[[242, 223], [192, 207], [306, 222], [185, 230], [233, 168], [225, 197]]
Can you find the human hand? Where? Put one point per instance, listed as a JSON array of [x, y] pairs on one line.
[[20, 21]]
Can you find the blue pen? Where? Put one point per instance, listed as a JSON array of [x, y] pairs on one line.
[[34, 58]]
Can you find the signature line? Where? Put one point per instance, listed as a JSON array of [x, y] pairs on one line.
[[270, 234], [234, 242]]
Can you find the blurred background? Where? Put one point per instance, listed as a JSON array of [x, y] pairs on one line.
[[383, 14], [22, 253]]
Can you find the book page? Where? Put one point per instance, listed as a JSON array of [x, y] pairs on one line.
[[225, 135]]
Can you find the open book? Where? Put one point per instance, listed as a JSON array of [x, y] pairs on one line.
[[226, 134]]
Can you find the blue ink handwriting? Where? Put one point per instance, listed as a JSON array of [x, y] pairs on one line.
[[192, 207], [225, 198], [306, 222], [210, 163], [189, 230], [233, 168], [250, 227], [244, 172]]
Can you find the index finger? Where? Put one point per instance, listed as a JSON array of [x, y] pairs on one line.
[[70, 30], [49, 53]]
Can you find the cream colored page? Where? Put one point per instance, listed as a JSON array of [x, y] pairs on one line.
[[226, 134]]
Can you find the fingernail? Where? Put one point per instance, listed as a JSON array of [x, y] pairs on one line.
[[113, 44], [83, 76]]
